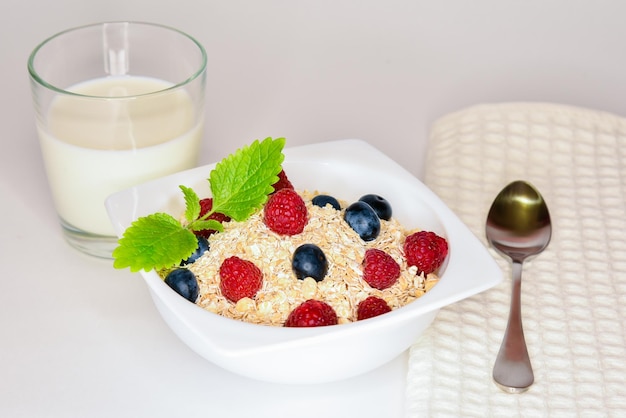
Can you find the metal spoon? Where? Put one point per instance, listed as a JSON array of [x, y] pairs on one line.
[[518, 226]]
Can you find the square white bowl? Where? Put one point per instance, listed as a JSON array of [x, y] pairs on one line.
[[346, 169]]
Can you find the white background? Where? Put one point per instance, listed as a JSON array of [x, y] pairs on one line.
[[78, 338]]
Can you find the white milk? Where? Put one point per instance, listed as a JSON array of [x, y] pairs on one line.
[[95, 147]]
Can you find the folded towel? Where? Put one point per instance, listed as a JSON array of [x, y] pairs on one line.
[[573, 294]]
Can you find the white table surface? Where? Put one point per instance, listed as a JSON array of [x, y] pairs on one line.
[[80, 339]]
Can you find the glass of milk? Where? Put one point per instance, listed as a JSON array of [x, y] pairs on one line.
[[116, 104]]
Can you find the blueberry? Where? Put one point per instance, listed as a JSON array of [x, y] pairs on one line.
[[183, 282], [309, 261], [380, 205], [362, 218], [203, 246], [322, 200]]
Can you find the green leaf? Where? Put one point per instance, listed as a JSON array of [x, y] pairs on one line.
[[207, 224], [192, 204], [241, 182], [154, 242]]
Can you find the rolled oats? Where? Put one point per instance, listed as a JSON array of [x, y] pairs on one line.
[[342, 288]]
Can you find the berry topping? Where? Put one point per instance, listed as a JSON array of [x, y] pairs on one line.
[[370, 307], [183, 282], [312, 313], [425, 250], [380, 270], [362, 218], [309, 261], [285, 212], [322, 200], [239, 279], [282, 183], [205, 206], [203, 246], [380, 205]]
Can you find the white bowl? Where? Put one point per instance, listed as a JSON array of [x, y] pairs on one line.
[[347, 169]]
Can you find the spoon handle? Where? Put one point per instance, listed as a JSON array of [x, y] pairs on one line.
[[512, 371]]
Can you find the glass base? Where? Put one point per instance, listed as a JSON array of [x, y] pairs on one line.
[[101, 246]]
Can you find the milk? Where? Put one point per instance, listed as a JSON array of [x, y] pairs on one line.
[[95, 147]]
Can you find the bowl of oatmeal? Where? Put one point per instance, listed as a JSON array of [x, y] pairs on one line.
[[248, 336]]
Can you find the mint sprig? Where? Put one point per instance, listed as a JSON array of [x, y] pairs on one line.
[[240, 184]]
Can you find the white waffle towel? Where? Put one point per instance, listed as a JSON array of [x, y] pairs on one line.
[[573, 294]]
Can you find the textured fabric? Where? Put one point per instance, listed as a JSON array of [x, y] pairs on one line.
[[573, 294]]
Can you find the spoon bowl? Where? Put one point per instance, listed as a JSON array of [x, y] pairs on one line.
[[518, 226]]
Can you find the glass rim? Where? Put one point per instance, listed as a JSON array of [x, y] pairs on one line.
[[36, 77]]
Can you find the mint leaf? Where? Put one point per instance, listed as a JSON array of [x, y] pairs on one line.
[[206, 224], [192, 204], [241, 182], [154, 242]]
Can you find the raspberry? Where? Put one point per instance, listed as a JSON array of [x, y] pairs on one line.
[[425, 250], [370, 307], [205, 206], [282, 183], [312, 313], [285, 212], [380, 270], [239, 278]]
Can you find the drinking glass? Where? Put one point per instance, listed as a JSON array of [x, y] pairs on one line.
[[116, 104]]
